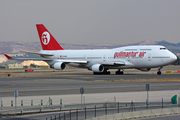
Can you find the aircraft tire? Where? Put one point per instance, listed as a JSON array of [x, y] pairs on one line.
[[97, 73], [108, 73], [119, 72], [159, 73], [103, 73]]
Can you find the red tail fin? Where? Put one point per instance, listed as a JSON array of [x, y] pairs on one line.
[[47, 40]]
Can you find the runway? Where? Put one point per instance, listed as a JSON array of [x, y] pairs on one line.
[[70, 83], [98, 88]]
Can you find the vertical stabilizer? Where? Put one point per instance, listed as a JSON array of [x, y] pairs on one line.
[[47, 40]]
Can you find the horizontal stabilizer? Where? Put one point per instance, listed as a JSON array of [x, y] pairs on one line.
[[7, 56]]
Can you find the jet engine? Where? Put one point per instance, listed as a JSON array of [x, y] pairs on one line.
[[59, 66], [97, 68], [144, 69]]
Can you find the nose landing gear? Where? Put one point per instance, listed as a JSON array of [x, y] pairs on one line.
[[159, 71]]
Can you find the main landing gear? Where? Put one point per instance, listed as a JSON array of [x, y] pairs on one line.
[[159, 71], [105, 72], [119, 72]]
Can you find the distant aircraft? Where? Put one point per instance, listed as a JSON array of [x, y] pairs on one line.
[[101, 60]]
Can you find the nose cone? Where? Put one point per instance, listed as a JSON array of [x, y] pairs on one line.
[[173, 57]]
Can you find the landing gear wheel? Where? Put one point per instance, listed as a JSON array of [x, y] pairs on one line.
[[102, 73], [119, 72], [106, 73], [97, 73], [94, 73], [159, 73]]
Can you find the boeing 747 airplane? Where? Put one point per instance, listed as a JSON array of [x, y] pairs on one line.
[[101, 60]]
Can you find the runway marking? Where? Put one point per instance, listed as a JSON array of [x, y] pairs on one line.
[[45, 80], [9, 86], [141, 80]]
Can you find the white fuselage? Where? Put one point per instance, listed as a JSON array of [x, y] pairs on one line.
[[132, 56]]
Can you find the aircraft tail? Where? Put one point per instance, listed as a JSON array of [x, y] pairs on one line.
[[48, 42]]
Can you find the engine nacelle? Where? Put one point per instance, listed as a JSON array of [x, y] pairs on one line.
[[144, 69], [97, 68], [59, 66]]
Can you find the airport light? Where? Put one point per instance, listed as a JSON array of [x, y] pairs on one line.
[[15, 95], [81, 92], [147, 89]]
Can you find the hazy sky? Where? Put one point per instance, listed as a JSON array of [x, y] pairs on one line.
[[91, 21]]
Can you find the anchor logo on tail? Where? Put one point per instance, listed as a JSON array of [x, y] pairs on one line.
[[45, 38]]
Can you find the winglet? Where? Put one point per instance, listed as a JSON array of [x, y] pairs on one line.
[[7, 56]]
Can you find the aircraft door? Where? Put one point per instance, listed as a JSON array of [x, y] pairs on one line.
[[149, 57], [85, 57], [104, 57], [128, 58]]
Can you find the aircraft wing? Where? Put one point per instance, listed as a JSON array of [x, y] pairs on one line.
[[37, 53], [46, 59], [66, 61], [112, 63], [72, 61], [117, 63], [84, 62], [10, 58]]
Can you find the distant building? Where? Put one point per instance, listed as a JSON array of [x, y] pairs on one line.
[[2, 58], [178, 54], [37, 63], [14, 66]]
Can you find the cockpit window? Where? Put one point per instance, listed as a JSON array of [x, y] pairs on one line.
[[163, 48]]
